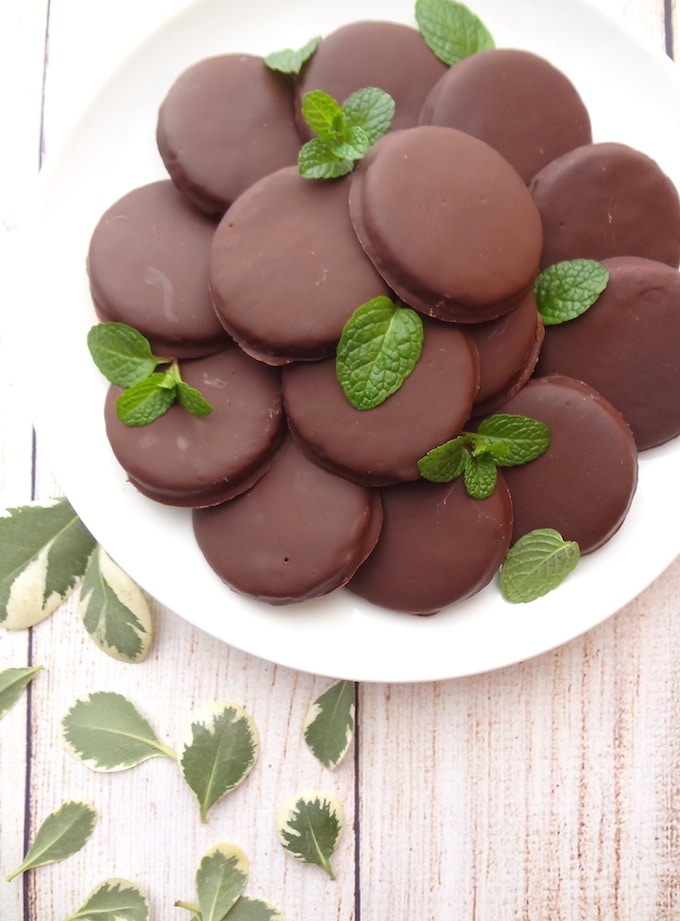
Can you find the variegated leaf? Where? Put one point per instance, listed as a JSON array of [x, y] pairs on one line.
[[250, 909], [12, 683], [220, 880], [309, 826], [114, 900], [63, 832], [329, 724], [115, 612], [44, 549]]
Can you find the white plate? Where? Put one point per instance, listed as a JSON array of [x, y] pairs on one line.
[[633, 96]]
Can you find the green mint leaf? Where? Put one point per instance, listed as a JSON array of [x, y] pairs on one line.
[[250, 909], [379, 347], [145, 401], [192, 400], [324, 116], [114, 900], [480, 475], [317, 160], [13, 682], [44, 549], [290, 61], [121, 353], [309, 827], [567, 289], [513, 439], [446, 462], [218, 750], [354, 144], [63, 832], [535, 565], [371, 109], [329, 724], [220, 880], [451, 30], [114, 610], [106, 732]]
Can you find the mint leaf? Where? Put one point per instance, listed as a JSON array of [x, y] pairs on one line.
[[290, 61], [451, 30], [145, 401], [567, 289], [539, 562], [480, 475], [354, 145], [317, 160], [324, 116], [192, 400], [446, 462], [121, 353], [371, 109], [379, 347], [512, 439]]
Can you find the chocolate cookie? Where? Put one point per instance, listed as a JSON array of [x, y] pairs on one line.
[[447, 222], [627, 346], [225, 122], [604, 200], [516, 101], [298, 533], [584, 483], [437, 546], [389, 55], [383, 445], [148, 267], [190, 461], [286, 269]]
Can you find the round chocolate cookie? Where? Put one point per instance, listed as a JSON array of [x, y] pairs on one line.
[[447, 222], [388, 55], [627, 346], [437, 546], [508, 350], [584, 483], [300, 532], [184, 460], [383, 445], [148, 267], [225, 122], [516, 101], [604, 200], [286, 269]]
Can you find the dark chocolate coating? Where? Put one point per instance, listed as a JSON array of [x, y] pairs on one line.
[[148, 267], [605, 200], [516, 101], [584, 483], [225, 122], [627, 346], [286, 269], [508, 351], [437, 546], [383, 445], [388, 55], [300, 532], [448, 223], [184, 460]]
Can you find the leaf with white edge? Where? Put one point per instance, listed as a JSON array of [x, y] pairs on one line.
[[290, 60], [44, 549], [114, 610], [63, 833], [251, 909], [107, 733], [567, 289], [220, 880], [451, 30], [114, 900], [13, 681], [536, 564], [329, 724], [309, 826], [217, 751]]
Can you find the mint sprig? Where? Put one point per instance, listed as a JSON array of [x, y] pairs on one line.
[[379, 347], [567, 289], [536, 564], [503, 440], [451, 30], [290, 60], [125, 358], [344, 133]]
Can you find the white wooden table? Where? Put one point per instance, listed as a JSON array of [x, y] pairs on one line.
[[546, 791]]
